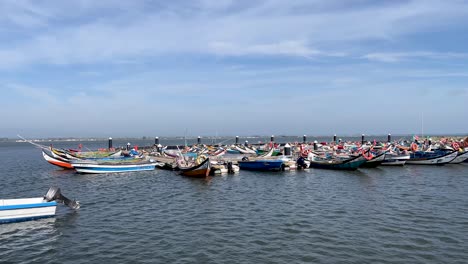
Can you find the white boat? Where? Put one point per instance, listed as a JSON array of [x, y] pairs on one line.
[[85, 167], [245, 150], [24, 209], [461, 157], [114, 165], [394, 159]]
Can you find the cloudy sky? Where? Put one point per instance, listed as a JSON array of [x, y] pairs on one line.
[[156, 68]]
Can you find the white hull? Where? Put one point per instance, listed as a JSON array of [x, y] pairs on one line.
[[460, 158], [434, 161], [394, 163], [96, 168], [15, 210], [395, 160], [246, 150]]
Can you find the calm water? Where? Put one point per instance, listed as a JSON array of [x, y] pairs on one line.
[[412, 214]]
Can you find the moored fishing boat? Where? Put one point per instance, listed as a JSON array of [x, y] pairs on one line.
[[352, 163], [57, 161], [437, 157], [261, 164], [108, 166], [245, 150], [23, 209], [375, 161], [195, 170], [462, 156], [61, 153], [394, 159]]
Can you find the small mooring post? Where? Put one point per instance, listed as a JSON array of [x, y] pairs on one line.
[[272, 138], [304, 139], [362, 139], [389, 138], [128, 146], [334, 138], [287, 149], [156, 141], [315, 145], [237, 140], [110, 143], [246, 143], [198, 140]]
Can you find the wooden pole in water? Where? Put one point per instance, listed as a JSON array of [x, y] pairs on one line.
[[110, 143]]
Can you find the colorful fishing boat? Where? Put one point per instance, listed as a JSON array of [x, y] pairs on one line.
[[395, 159], [24, 209], [57, 161], [352, 163], [462, 156], [108, 166], [195, 170], [245, 150], [61, 153], [437, 157], [261, 164], [375, 161]]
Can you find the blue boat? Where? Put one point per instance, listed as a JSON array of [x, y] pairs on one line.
[[261, 165]]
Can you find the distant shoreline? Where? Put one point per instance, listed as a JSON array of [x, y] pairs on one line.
[[72, 139]]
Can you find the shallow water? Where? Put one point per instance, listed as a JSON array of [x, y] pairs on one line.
[[411, 214]]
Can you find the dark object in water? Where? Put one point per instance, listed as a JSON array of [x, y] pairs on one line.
[[55, 194]]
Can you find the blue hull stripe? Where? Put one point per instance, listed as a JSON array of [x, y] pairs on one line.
[[150, 167], [22, 219], [26, 206]]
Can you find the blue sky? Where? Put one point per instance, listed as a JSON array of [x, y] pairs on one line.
[[155, 68]]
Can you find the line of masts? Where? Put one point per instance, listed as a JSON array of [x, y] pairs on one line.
[[272, 139]]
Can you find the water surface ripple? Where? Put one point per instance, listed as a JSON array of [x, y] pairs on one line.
[[385, 215]]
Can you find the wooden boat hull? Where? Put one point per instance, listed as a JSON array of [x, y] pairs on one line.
[[261, 165], [245, 150], [112, 168], [350, 164], [375, 162], [199, 171], [395, 160], [461, 157], [437, 160], [17, 210], [62, 163]]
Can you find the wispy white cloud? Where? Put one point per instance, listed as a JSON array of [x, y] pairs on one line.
[[104, 32], [400, 56], [138, 59], [286, 48]]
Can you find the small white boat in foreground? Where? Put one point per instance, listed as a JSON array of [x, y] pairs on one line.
[[24, 209]]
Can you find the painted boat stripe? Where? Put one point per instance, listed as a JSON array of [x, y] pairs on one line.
[[22, 219], [25, 206]]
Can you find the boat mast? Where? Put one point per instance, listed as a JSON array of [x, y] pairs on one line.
[[422, 126]]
